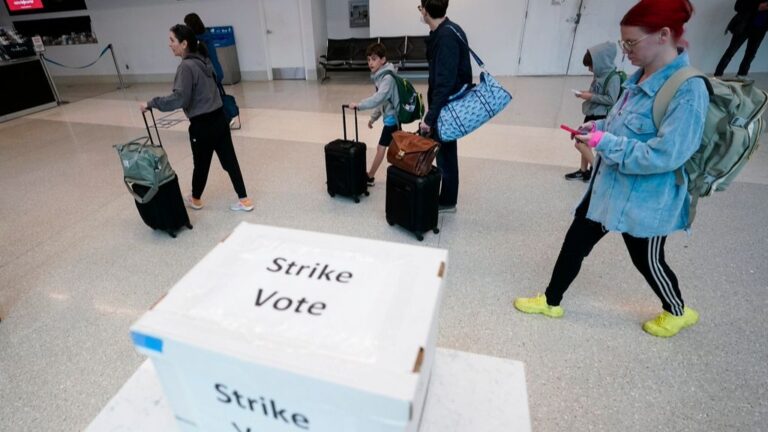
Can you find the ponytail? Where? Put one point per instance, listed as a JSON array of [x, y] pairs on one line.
[[194, 45]]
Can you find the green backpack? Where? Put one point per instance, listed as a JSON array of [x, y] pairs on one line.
[[411, 106], [622, 77], [731, 132]]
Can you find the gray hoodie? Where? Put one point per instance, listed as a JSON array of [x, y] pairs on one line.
[[194, 88], [603, 63], [386, 99]]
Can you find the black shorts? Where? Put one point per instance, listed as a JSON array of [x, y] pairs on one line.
[[386, 135]]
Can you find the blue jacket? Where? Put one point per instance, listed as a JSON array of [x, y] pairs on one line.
[[449, 67], [634, 190]]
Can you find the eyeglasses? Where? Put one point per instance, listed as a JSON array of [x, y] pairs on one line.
[[627, 46]]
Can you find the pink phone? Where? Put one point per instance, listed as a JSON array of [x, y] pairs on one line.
[[571, 130]]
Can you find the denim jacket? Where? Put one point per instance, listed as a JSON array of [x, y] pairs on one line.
[[634, 190]]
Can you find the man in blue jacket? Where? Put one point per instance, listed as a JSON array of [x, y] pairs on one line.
[[449, 70]]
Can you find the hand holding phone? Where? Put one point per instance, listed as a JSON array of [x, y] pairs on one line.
[[573, 131], [576, 92]]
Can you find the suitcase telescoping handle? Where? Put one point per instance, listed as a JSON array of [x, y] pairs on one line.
[[154, 123], [344, 120]]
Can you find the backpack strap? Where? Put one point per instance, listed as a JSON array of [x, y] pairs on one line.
[[611, 74], [664, 98], [471, 51], [667, 91], [397, 88]]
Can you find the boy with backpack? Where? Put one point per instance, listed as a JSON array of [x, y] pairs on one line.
[[603, 93], [385, 102]]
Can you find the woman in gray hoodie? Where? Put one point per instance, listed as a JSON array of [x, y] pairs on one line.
[[602, 94], [195, 91]]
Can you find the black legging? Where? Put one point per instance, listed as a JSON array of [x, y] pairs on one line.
[[753, 37], [647, 255], [210, 133]]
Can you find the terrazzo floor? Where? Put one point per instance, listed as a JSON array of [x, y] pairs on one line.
[[78, 267]]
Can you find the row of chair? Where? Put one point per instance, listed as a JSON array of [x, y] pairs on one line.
[[407, 53]]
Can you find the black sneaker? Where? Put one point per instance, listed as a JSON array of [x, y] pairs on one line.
[[370, 182], [578, 175], [587, 175]]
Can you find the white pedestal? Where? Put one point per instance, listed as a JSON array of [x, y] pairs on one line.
[[467, 393]]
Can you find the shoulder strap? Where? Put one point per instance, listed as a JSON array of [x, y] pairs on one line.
[[392, 74], [664, 98], [475, 56], [670, 87], [608, 78], [222, 93]]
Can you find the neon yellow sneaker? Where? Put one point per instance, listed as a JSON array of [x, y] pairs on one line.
[[667, 325], [538, 305]]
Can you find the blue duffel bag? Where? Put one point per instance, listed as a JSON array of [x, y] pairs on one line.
[[472, 106]]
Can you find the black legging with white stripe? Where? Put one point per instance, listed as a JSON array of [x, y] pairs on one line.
[[647, 255]]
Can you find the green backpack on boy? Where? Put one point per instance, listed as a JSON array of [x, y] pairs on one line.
[[411, 106]]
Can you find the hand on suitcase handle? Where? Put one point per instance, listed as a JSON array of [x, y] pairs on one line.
[[424, 129]]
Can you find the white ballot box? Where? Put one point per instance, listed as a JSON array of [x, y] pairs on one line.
[[285, 330]]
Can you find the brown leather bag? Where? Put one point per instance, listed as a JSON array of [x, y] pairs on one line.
[[412, 153]]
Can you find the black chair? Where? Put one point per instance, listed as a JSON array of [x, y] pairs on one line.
[[337, 56], [395, 48], [415, 53], [359, 60]]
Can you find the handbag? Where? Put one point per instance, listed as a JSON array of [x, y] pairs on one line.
[[412, 152], [229, 104], [145, 164], [231, 110], [472, 106]]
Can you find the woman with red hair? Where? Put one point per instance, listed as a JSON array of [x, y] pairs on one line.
[[634, 189]]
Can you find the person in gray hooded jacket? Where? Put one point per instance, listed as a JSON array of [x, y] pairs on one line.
[[384, 102], [195, 91], [602, 95]]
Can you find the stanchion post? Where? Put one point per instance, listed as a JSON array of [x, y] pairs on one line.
[[117, 68], [50, 80]]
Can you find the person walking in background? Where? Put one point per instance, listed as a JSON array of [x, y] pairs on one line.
[[749, 25], [196, 92], [194, 22], [449, 71], [634, 190], [603, 93]]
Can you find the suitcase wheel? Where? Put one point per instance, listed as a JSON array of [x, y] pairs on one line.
[[357, 200], [419, 237], [435, 230], [172, 234], [390, 222], [189, 226], [367, 193], [331, 194]]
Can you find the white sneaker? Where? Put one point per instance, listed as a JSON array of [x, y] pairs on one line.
[[191, 203], [244, 204]]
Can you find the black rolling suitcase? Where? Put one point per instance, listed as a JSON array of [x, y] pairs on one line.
[[345, 164], [165, 210], [412, 200]]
